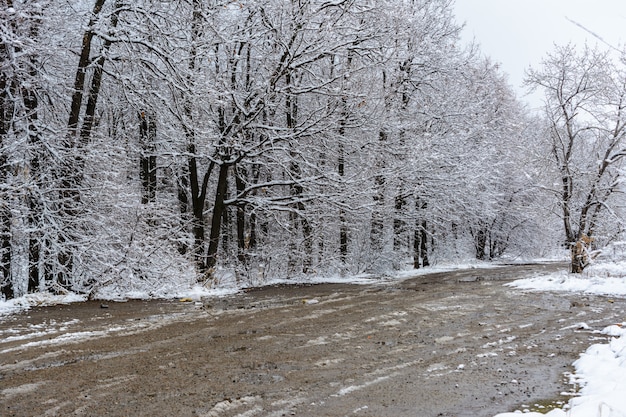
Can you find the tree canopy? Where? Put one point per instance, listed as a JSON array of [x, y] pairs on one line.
[[152, 143]]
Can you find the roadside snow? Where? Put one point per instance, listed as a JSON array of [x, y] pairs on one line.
[[16, 305], [601, 369], [601, 373], [590, 284]]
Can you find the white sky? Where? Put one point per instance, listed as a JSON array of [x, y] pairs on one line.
[[518, 33]]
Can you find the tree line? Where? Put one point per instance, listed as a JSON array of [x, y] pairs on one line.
[[145, 140]]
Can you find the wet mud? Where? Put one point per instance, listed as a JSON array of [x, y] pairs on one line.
[[446, 344]]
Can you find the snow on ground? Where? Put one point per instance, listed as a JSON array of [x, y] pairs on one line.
[[600, 372], [588, 282], [16, 305]]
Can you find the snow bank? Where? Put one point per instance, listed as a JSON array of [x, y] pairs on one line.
[[37, 299], [591, 284]]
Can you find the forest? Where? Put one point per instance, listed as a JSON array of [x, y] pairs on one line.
[[153, 143]]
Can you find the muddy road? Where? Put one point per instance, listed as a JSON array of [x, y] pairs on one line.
[[445, 344]]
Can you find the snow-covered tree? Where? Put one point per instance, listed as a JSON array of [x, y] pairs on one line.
[[145, 141], [584, 94]]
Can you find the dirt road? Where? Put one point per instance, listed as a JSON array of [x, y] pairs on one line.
[[447, 344]]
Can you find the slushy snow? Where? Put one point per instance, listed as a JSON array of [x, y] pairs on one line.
[[600, 372]]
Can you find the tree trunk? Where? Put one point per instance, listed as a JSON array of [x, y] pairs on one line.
[[148, 169], [6, 287], [198, 197], [31, 104], [79, 79], [377, 223], [6, 115], [252, 240], [341, 161], [578, 258], [420, 237], [297, 190], [343, 227], [240, 185], [399, 223], [19, 107], [216, 220], [480, 243], [183, 204], [423, 245], [226, 230], [579, 252]]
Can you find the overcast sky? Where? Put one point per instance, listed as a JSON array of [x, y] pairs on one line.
[[518, 33]]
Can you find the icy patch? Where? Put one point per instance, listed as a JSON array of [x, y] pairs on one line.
[[391, 323], [436, 367], [328, 362], [230, 405], [577, 326], [444, 339], [8, 393], [317, 342], [352, 388]]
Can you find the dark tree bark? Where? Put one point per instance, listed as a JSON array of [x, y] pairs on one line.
[[377, 222], [423, 245], [197, 188], [252, 240], [216, 221], [298, 218], [399, 224], [341, 170], [148, 166], [96, 80], [81, 73], [6, 115], [240, 184], [31, 103], [343, 226], [480, 235], [183, 204], [226, 231], [198, 198], [420, 237]]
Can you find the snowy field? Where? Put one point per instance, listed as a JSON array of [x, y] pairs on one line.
[[600, 372]]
